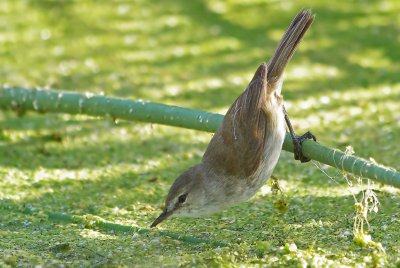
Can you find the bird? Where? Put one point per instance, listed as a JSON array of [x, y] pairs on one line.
[[243, 152]]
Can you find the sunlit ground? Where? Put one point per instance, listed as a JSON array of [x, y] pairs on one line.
[[343, 84]]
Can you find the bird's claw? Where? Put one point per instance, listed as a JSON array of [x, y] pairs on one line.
[[298, 142]]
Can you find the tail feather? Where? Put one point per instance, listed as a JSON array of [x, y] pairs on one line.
[[288, 44]]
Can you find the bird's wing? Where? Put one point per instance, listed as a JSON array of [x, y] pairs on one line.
[[238, 145]]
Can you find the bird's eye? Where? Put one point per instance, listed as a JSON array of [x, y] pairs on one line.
[[182, 198]]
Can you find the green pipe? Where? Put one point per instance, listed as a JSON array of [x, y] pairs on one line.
[[91, 221], [39, 100], [76, 103]]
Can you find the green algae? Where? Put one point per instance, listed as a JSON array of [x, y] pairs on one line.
[[342, 84]]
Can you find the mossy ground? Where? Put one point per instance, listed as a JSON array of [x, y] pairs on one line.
[[343, 84]]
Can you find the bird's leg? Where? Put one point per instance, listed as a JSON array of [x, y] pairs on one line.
[[298, 140]]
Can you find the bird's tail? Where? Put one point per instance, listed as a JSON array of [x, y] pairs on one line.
[[288, 44]]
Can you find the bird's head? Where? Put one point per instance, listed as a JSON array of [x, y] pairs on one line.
[[190, 196]]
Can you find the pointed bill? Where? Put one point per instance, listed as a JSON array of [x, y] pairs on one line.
[[165, 214]]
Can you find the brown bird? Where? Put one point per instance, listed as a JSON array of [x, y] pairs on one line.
[[245, 149]]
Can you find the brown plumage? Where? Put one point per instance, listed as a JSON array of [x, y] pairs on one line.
[[245, 149], [237, 146]]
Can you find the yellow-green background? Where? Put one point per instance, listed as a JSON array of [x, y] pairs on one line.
[[343, 84]]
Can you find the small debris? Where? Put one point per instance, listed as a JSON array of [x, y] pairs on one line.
[[153, 179], [60, 248], [290, 248]]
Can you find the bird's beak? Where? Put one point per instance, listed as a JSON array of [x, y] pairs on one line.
[[165, 214]]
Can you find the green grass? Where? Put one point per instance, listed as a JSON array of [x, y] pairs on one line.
[[343, 84]]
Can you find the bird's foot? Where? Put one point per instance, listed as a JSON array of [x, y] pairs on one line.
[[298, 142]]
